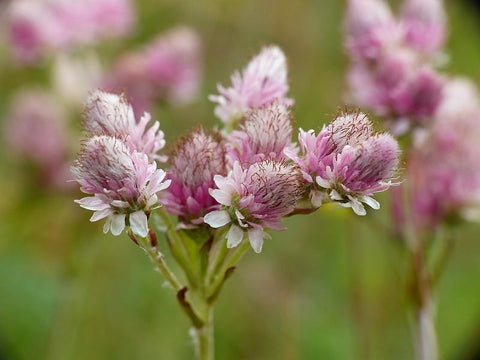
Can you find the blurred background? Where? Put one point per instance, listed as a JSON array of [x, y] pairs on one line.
[[332, 286]]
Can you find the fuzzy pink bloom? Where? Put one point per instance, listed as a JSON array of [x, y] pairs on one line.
[[397, 87], [110, 114], [425, 24], [255, 199], [265, 133], [196, 160], [124, 184], [370, 25], [347, 162], [264, 80], [35, 128], [37, 27], [443, 165], [168, 69]]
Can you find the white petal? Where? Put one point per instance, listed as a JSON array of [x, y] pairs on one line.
[[118, 224], [217, 218], [316, 197], [234, 236], [221, 196], [322, 182], [138, 223], [374, 204], [357, 206], [255, 236], [92, 203], [97, 215], [334, 195], [106, 226]]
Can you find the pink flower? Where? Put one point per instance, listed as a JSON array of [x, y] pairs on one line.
[[168, 69], [197, 159], [110, 114], [255, 199], [370, 25], [425, 24], [347, 162], [264, 134], [420, 97], [36, 129], [124, 184], [36, 28], [263, 81], [443, 165]]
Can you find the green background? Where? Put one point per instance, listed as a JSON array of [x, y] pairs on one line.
[[330, 287]]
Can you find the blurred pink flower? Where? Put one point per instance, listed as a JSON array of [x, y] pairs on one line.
[[264, 134], [37, 27], [443, 166], [168, 69], [370, 26], [124, 184], [110, 114], [36, 129], [255, 199], [196, 160], [425, 24], [393, 60], [264, 80], [347, 162]]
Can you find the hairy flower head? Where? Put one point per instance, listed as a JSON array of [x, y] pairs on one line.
[[254, 199], [124, 184], [260, 83], [264, 134], [347, 161], [198, 157], [110, 114]]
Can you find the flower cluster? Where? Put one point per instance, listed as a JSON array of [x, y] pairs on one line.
[[263, 81], [247, 177], [393, 59], [347, 162], [116, 165], [443, 165], [167, 69], [38, 27]]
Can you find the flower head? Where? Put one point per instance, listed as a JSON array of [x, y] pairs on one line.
[[370, 25], [347, 162], [196, 160], [264, 133], [260, 83], [110, 114], [124, 184], [425, 24], [166, 69], [254, 199], [36, 28]]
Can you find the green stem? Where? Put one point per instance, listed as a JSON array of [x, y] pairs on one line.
[[219, 253], [157, 258], [204, 338], [230, 262]]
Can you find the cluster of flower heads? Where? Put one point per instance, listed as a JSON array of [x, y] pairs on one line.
[[37, 27], [169, 68], [394, 58], [443, 165], [117, 164], [245, 178]]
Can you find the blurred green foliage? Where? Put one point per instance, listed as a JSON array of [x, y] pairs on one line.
[[331, 287]]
